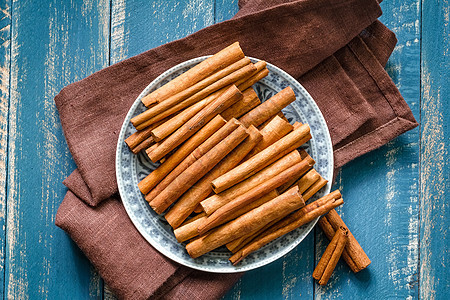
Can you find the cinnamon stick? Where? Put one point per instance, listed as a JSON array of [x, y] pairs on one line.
[[143, 145], [198, 169], [165, 129], [207, 67], [239, 243], [275, 130], [260, 72], [268, 108], [353, 254], [249, 101], [293, 179], [191, 199], [291, 222], [225, 100], [283, 146], [183, 233], [217, 217], [174, 104], [254, 219], [331, 256], [214, 202], [198, 152], [307, 180], [314, 188], [143, 135], [173, 160]]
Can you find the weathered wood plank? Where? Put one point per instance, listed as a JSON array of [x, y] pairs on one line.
[[380, 189], [5, 41], [137, 26], [53, 44], [435, 149]]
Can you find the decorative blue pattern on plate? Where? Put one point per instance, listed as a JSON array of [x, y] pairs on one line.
[[130, 169]]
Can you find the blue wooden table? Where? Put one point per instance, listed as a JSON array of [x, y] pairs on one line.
[[400, 192]]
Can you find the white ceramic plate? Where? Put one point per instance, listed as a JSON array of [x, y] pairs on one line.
[[130, 169]]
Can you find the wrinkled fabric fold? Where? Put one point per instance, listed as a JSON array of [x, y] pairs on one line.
[[336, 49]]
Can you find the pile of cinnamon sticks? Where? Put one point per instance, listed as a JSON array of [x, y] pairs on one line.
[[231, 173]]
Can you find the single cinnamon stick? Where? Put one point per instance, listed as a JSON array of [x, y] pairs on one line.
[[314, 188], [291, 222], [249, 101], [173, 160], [268, 108], [140, 136], [275, 130], [293, 179], [260, 65], [354, 255], [198, 152], [173, 104], [260, 73], [191, 199], [183, 233], [216, 218], [207, 67], [196, 217], [225, 100], [143, 145], [197, 170], [330, 257], [307, 180], [239, 243], [278, 149], [214, 202], [165, 129], [254, 219]]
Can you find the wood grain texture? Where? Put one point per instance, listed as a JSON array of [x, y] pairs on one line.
[[435, 145], [5, 41], [52, 44], [380, 189]]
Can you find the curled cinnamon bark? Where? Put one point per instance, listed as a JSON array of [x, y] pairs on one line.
[[173, 160], [197, 170], [280, 148], [307, 181], [207, 67], [314, 188], [254, 219], [214, 202], [331, 256], [174, 104], [269, 108], [198, 152], [291, 222], [272, 132], [234, 205], [260, 73], [249, 101], [354, 255], [189, 201], [225, 100], [184, 233]]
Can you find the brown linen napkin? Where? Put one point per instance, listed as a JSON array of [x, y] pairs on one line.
[[361, 105]]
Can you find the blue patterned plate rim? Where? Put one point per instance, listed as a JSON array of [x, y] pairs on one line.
[[150, 225]]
